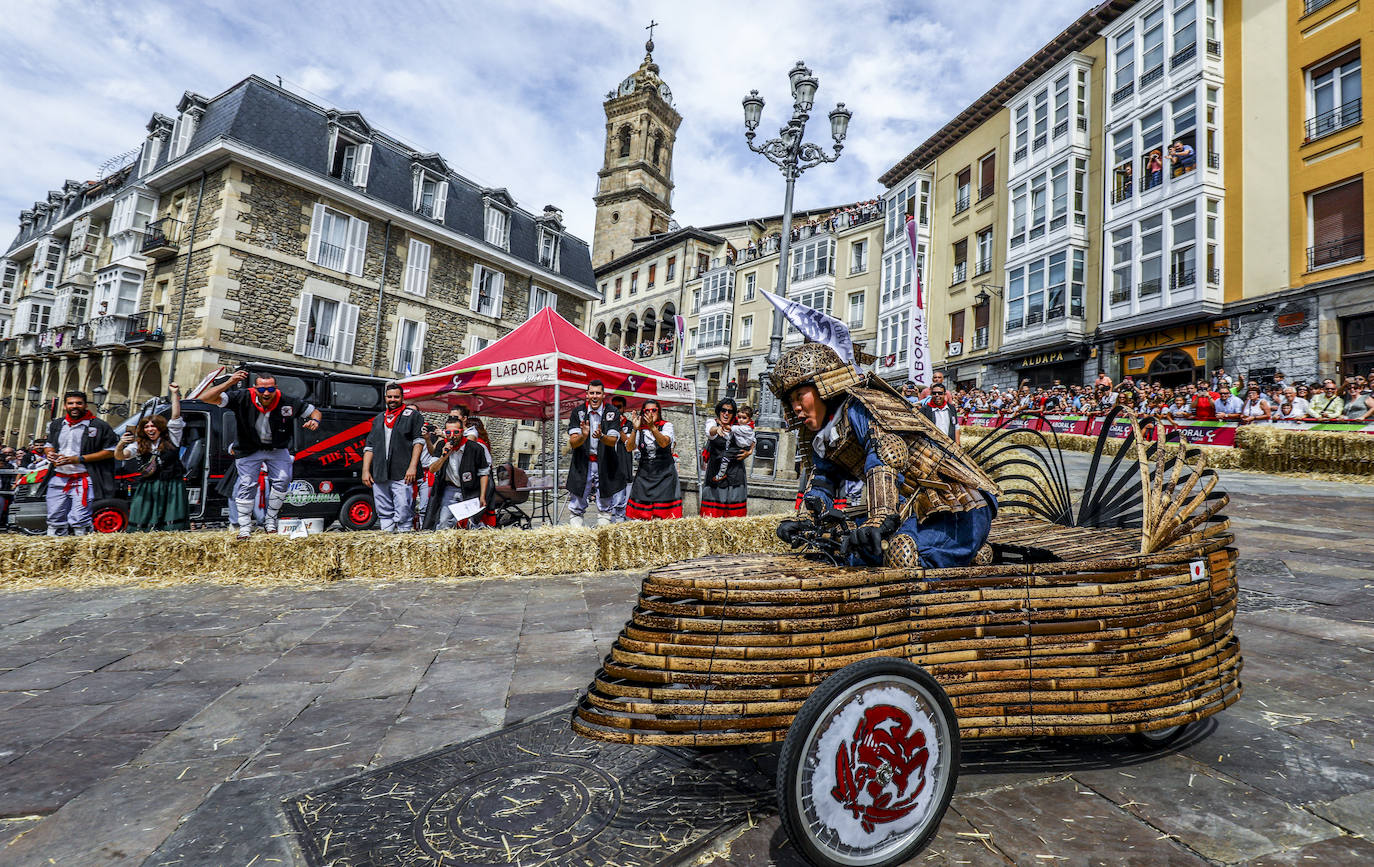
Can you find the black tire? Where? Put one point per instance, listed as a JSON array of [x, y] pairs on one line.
[[1158, 739], [822, 729], [358, 513]]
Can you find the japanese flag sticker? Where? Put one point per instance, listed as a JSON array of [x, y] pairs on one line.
[[1198, 570]]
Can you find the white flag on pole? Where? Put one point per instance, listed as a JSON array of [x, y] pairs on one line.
[[918, 359], [817, 326]]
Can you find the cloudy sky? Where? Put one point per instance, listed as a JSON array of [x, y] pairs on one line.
[[511, 92]]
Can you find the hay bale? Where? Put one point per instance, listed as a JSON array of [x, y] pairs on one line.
[[1272, 449]]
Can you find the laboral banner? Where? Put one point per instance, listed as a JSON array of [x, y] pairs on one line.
[[918, 362]]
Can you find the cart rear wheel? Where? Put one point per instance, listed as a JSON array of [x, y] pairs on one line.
[[869, 765], [1158, 739]]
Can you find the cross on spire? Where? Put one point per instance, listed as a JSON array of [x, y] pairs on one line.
[[650, 28]]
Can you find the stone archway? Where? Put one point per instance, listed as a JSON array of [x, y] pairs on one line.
[[149, 382], [1172, 367]]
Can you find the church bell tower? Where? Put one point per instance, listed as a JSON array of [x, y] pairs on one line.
[[634, 194]]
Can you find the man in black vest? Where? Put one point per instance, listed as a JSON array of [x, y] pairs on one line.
[[391, 459], [593, 430], [627, 461], [265, 418], [462, 471], [940, 413], [80, 453]]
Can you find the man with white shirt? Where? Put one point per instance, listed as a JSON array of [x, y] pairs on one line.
[[391, 460], [1230, 407], [595, 470], [940, 413], [462, 471], [80, 453], [264, 417]]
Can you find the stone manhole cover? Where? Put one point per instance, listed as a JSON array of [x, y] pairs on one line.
[[533, 793]]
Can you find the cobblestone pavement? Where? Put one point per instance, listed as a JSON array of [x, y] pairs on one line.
[[163, 727]]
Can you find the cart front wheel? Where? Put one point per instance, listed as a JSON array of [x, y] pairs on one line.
[[869, 765], [1158, 739]]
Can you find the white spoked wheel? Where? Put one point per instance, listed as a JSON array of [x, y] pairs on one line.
[[869, 765]]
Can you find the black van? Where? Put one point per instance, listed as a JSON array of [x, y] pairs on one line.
[[326, 481]]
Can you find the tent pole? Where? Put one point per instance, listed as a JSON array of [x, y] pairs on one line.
[[557, 425], [696, 455]]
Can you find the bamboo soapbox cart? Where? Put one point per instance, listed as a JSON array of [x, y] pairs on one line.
[[1106, 611]]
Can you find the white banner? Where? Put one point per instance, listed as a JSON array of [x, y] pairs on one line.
[[918, 359], [536, 368], [817, 326]]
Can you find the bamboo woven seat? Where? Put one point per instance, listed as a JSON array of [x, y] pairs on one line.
[[1094, 617]]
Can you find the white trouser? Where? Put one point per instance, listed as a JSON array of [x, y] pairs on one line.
[[578, 505], [395, 506], [69, 504], [277, 463]]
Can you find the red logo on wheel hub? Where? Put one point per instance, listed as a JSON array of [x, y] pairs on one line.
[[881, 755]]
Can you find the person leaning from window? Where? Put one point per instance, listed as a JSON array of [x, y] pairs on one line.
[[79, 449], [1328, 404], [391, 460], [461, 470], [159, 501]]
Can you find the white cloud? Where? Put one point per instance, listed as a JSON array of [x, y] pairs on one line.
[[511, 93]]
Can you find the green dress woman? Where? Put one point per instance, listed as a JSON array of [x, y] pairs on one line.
[[159, 501]]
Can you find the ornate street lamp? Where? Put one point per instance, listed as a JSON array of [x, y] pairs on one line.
[[100, 394], [793, 156], [35, 396]]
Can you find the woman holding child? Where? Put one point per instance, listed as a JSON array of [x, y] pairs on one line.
[[729, 440]]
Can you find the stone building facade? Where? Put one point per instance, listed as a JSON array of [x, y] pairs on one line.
[[279, 232]]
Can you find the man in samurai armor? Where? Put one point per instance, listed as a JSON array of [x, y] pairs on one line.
[[927, 503]]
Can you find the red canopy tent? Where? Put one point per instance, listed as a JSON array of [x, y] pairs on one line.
[[544, 363], [539, 371]]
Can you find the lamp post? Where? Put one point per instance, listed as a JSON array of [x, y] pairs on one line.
[[793, 156], [35, 396]]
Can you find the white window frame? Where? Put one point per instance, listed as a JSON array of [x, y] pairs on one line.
[[855, 312], [183, 131], [152, 149], [551, 240], [1337, 81], [496, 290], [341, 332], [362, 157], [438, 194], [354, 236], [496, 226], [858, 256], [412, 350], [540, 298], [476, 343], [750, 285], [417, 267], [746, 331], [714, 330], [716, 288], [808, 261], [9, 280]]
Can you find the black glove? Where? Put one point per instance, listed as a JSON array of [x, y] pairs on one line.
[[820, 512], [790, 531], [866, 541]]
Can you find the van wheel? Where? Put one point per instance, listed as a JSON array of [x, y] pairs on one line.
[[110, 517], [358, 513]]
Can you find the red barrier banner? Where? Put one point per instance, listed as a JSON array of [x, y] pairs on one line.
[[1196, 431]]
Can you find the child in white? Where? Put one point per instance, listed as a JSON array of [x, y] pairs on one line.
[[740, 434]]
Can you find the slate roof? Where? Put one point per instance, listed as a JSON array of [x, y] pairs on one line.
[[295, 130]]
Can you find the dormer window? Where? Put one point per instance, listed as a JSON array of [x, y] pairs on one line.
[[350, 161], [182, 132], [9, 280], [430, 195], [497, 226], [548, 248]]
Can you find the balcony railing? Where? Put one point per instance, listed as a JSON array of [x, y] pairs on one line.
[[1149, 287], [1060, 128], [426, 210], [1214, 276], [1122, 193], [1310, 6], [1121, 295], [1335, 120], [961, 202], [1150, 77], [1182, 279], [1151, 180], [1020, 154], [1213, 160], [1035, 317], [960, 273], [1214, 47], [1082, 124], [1014, 324], [1039, 142], [109, 330], [982, 267], [1182, 56], [161, 238], [980, 338], [986, 191], [332, 256], [345, 174], [1347, 249], [1123, 92], [145, 328]]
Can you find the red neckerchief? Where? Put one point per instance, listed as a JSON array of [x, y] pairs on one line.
[[67, 420], [389, 417], [257, 404]]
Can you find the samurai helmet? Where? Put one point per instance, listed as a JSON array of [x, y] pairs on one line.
[[815, 364]]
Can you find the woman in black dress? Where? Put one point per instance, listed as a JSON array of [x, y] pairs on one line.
[[655, 492], [727, 497], [159, 501]]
